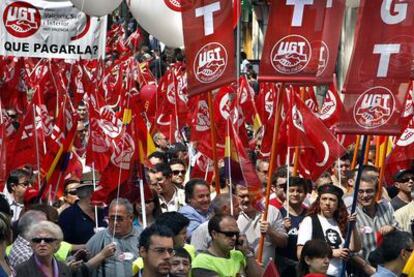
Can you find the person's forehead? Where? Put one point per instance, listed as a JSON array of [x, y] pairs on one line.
[[119, 209], [179, 259], [200, 188], [229, 224], [177, 166], [366, 185], [158, 241], [281, 180]]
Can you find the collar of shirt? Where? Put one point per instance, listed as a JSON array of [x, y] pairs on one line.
[[382, 271]]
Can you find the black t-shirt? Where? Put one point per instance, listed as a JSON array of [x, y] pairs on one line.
[[78, 227], [397, 203], [290, 250]]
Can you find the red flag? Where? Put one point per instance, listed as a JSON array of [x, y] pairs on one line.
[[402, 155], [271, 270], [319, 148], [292, 42], [379, 72], [202, 168], [210, 52], [408, 106]]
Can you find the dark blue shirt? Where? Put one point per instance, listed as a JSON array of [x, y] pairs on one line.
[[77, 226], [290, 250]]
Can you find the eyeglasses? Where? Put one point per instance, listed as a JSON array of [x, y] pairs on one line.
[[406, 179], [177, 172], [71, 192], [116, 218], [24, 184], [229, 234], [162, 250], [366, 191], [46, 240]]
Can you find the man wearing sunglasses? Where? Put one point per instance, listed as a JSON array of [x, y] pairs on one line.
[[228, 255], [178, 169], [17, 184], [404, 181]]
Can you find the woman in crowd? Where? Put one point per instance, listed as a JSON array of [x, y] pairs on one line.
[[45, 238], [327, 220], [314, 258]]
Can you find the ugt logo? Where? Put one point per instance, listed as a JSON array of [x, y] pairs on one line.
[[21, 19], [374, 107], [210, 62], [291, 54]]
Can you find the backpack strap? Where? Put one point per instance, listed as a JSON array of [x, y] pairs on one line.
[[317, 231]]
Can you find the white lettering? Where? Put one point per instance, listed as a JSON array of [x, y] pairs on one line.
[[291, 47], [385, 50], [393, 17], [375, 100], [298, 8], [207, 13], [21, 13], [209, 56]]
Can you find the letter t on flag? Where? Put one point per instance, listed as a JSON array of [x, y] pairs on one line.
[[209, 44]]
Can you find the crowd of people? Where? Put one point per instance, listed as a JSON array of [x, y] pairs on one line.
[[186, 228]]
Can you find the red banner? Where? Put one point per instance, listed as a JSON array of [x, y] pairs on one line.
[[209, 45], [294, 50], [379, 72]]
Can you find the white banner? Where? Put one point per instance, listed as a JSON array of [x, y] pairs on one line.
[[37, 28]]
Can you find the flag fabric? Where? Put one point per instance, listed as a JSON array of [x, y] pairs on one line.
[[379, 73], [209, 51]]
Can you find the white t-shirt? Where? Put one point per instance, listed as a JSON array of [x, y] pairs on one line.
[[333, 237]]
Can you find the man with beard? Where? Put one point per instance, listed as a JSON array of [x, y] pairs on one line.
[[221, 258], [373, 219], [156, 248], [251, 224]]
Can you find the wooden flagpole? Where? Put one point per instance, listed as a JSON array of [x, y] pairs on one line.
[[382, 169], [214, 142], [356, 149], [377, 150], [272, 163], [297, 150]]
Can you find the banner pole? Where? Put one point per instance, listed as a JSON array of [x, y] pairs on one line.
[[382, 169], [214, 142], [351, 224], [279, 104], [296, 156], [356, 149], [377, 150], [366, 152]]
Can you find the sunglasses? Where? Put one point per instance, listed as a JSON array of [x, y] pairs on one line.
[[176, 172], [229, 234], [407, 179], [71, 192], [46, 240]]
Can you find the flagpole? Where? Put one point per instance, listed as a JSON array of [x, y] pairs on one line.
[[377, 151], [351, 224], [356, 149], [229, 165], [279, 104], [287, 182], [366, 153], [213, 141], [382, 169], [36, 145], [296, 156], [94, 188], [141, 192]]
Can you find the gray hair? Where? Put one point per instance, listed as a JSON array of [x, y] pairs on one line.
[[219, 202], [47, 227], [122, 202], [29, 219]]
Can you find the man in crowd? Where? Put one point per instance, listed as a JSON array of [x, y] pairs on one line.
[[171, 197], [197, 197], [161, 142], [78, 221], [221, 258], [121, 232], [262, 169], [373, 219], [17, 184], [404, 181], [178, 170], [21, 250], [156, 249], [251, 224], [279, 179], [339, 168], [221, 206], [180, 263]]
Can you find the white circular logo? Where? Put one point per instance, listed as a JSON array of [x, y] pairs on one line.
[[203, 117], [291, 54], [374, 107], [328, 107], [210, 62], [406, 138], [297, 119]]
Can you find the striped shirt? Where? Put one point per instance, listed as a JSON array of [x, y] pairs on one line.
[[369, 226]]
